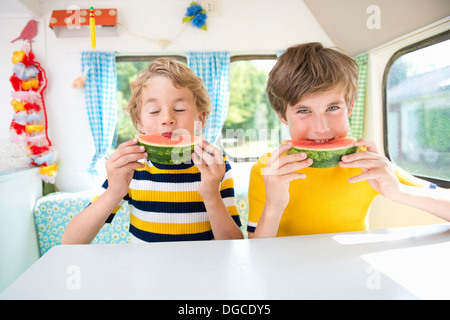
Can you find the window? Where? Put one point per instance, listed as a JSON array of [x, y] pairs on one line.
[[417, 109], [128, 68], [252, 128]]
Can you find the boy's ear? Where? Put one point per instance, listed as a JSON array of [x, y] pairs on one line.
[[350, 109], [202, 118], [282, 118]]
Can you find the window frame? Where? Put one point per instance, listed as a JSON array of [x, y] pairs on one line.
[[441, 37], [244, 57], [181, 58]]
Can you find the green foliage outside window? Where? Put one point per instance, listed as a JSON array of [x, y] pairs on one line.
[[249, 111]]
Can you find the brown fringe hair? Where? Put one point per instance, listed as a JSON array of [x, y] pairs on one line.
[[310, 68]]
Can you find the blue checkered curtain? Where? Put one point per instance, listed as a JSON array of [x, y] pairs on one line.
[[100, 95], [214, 69]]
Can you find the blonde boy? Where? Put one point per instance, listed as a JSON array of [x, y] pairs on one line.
[[312, 89], [189, 201]]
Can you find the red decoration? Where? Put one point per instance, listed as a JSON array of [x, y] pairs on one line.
[[18, 128], [29, 32], [32, 106], [30, 125], [16, 82], [38, 150]]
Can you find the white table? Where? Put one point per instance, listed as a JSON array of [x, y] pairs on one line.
[[401, 263]]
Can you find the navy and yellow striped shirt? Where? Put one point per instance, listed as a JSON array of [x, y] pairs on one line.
[[165, 205]]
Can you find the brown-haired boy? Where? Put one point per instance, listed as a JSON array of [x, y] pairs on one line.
[[312, 89], [188, 201]]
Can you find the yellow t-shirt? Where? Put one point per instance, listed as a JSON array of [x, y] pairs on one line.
[[323, 202]]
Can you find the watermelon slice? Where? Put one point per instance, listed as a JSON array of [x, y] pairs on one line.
[[326, 154], [165, 150]]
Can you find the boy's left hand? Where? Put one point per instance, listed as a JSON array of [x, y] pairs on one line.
[[376, 169], [209, 160]]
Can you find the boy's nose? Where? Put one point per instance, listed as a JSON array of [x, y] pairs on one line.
[[167, 118], [321, 125]]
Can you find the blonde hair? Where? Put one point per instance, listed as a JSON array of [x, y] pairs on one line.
[[310, 68], [181, 76]]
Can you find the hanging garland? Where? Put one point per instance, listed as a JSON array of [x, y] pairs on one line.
[[29, 125], [195, 16]]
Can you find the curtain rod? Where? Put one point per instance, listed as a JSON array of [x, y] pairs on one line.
[[177, 53]]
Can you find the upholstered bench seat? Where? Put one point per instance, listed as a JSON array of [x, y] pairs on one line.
[[53, 212]]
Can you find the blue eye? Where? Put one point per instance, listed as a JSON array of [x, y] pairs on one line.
[[332, 108], [303, 111]]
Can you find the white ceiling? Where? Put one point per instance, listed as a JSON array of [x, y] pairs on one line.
[[28, 8], [11, 7], [345, 21]]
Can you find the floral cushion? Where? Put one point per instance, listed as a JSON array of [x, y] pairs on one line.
[[242, 205], [53, 212]]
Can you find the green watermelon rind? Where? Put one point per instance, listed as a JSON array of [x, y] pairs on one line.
[[169, 155], [324, 159]]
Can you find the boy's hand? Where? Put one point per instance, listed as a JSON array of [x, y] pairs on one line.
[[279, 172], [209, 160], [376, 169], [121, 165]]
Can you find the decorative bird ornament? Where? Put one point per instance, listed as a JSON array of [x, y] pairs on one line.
[[29, 32]]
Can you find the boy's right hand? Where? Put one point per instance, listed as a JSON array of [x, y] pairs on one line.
[[121, 165], [279, 172]]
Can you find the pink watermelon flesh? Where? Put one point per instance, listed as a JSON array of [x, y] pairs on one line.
[[324, 155], [331, 144]]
